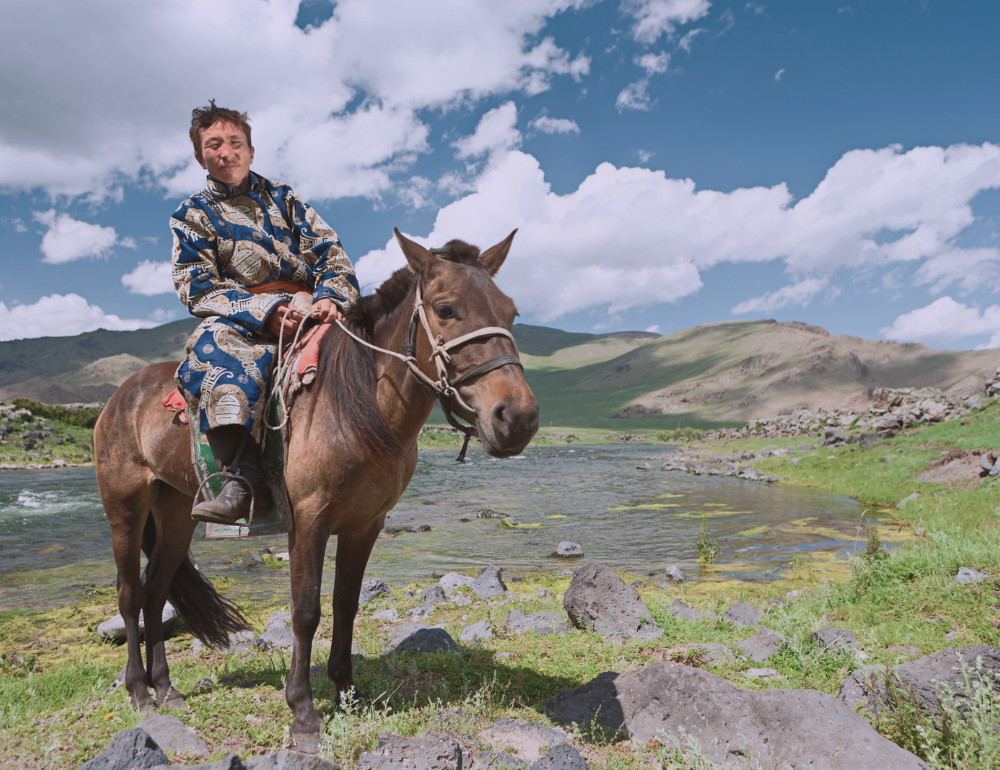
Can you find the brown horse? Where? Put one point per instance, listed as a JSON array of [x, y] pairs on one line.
[[350, 453]]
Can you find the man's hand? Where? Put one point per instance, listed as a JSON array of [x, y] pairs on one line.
[[326, 311], [284, 320]]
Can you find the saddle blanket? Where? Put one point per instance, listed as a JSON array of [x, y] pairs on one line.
[[277, 517]]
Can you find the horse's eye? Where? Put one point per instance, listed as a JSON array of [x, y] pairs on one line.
[[445, 311]]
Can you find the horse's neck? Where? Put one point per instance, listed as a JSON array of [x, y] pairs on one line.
[[405, 403]]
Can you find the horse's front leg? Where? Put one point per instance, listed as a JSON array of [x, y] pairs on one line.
[[307, 547], [352, 558]]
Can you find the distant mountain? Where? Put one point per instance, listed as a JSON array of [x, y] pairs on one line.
[[714, 374]]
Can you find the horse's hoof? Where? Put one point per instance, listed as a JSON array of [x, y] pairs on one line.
[[307, 743]]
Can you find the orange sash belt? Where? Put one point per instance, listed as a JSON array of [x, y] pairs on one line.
[[290, 286]]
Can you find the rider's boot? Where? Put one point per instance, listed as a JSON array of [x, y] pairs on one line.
[[233, 501]]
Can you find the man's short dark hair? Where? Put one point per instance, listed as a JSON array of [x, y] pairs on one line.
[[209, 115]]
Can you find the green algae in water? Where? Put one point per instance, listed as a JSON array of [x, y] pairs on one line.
[[645, 507], [556, 516], [753, 532], [667, 496]]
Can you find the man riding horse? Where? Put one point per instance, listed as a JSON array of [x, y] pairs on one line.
[[243, 247]]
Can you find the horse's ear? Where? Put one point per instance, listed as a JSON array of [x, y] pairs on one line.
[[419, 258], [494, 256]]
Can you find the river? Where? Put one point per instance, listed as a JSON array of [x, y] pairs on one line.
[[55, 542]]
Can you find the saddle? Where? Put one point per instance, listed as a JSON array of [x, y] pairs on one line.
[[299, 373]]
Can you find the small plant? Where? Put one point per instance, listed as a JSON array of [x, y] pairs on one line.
[[708, 549]]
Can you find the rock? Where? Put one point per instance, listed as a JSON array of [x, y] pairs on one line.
[[232, 762], [420, 611], [674, 574], [204, 684], [489, 583], [249, 560], [432, 594], [414, 637], [598, 600], [568, 550], [908, 499], [113, 629], [834, 638], [922, 676], [762, 673], [453, 580], [477, 631], [278, 637], [290, 760], [791, 596], [798, 728], [390, 615], [708, 653], [545, 592], [522, 738], [171, 734], [966, 575], [492, 760], [283, 556], [742, 614], [131, 749], [833, 437], [371, 589], [679, 609], [427, 751], [560, 758], [910, 651], [539, 623], [761, 645], [280, 618], [241, 641]]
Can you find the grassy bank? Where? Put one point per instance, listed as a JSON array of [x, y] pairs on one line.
[[54, 711]]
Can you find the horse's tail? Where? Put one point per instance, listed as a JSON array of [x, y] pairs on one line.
[[206, 614]]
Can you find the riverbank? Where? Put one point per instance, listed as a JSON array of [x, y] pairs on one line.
[[54, 711]]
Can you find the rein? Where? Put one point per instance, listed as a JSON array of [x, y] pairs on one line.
[[444, 389]]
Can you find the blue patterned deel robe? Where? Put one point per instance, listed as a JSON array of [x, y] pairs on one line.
[[226, 242]]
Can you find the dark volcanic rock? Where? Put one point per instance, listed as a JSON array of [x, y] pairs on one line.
[[742, 614], [538, 622], [414, 637], [129, 750], [834, 638], [290, 760], [780, 728], [489, 584], [427, 751], [371, 589], [600, 601], [761, 645], [525, 739], [560, 758]]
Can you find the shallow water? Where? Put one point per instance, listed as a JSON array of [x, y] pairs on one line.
[[55, 542]]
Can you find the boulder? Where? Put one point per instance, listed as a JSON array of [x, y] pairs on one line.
[[761, 645], [279, 632], [453, 580], [967, 575], [171, 734], [708, 653], [241, 641], [523, 739], [280, 618], [489, 584], [113, 629], [290, 760], [427, 751], [232, 762], [568, 550], [833, 437], [598, 600], [560, 758], [674, 574], [538, 622], [372, 589], [390, 615], [679, 609], [833, 638], [432, 594], [414, 637], [477, 631], [921, 677], [796, 728], [742, 614], [131, 749]]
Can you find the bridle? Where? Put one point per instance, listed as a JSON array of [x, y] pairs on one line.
[[446, 390]]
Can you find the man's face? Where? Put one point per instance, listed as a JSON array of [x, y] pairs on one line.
[[225, 153]]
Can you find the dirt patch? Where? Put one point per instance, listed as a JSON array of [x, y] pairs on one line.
[[959, 469]]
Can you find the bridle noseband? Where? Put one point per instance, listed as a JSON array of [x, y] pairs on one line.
[[443, 388]]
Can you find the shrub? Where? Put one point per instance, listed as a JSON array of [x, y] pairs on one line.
[[681, 434], [83, 418]]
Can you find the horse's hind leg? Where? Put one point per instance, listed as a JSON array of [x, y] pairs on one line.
[[353, 552], [168, 536], [127, 518]]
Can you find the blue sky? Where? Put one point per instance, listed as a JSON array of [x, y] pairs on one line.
[[668, 162]]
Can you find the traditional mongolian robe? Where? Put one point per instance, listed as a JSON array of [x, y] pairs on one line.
[[228, 246]]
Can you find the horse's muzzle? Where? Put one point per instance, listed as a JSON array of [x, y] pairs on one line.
[[511, 424]]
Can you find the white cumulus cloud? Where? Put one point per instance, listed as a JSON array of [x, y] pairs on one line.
[[496, 131], [629, 237], [149, 278], [795, 295], [946, 320], [60, 315], [548, 125], [654, 18], [337, 111], [67, 239]]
